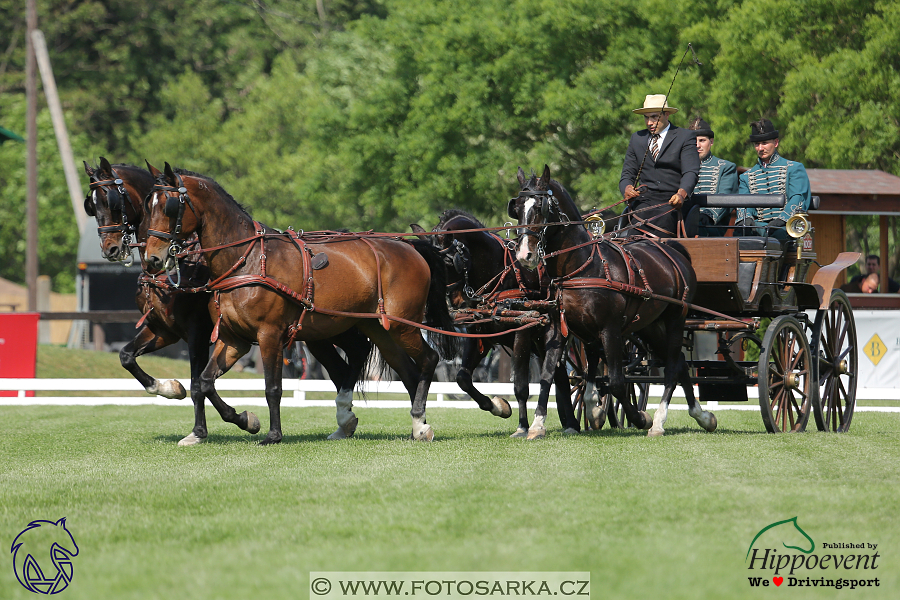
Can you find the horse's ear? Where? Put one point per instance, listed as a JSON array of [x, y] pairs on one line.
[[419, 229], [170, 174], [88, 169], [105, 167], [521, 177], [545, 179], [153, 170]]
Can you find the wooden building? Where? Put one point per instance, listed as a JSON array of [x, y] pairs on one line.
[[853, 192]]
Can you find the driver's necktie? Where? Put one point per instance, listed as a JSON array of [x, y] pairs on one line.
[[654, 146]]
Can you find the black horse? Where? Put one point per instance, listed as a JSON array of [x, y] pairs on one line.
[[608, 290], [173, 312], [481, 268]]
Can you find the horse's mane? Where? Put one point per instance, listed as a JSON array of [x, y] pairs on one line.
[[215, 184], [452, 213]]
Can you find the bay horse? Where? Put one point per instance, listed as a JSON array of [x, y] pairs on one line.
[[171, 312], [273, 287], [609, 289], [481, 268]]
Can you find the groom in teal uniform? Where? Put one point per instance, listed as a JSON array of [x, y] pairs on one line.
[[772, 174], [717, 176]]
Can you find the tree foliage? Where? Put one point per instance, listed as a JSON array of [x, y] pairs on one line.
[[372, 114]]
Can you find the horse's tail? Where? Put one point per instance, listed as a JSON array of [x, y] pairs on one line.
[[437, 313]]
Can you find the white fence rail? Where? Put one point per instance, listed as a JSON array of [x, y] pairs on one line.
[[295, 391]]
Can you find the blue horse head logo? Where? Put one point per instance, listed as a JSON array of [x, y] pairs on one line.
[[787, 533], [42, 556]]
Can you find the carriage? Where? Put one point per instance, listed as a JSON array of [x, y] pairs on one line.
[[763, 323]]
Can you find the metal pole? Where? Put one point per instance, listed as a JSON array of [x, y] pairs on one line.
[[31, 217]]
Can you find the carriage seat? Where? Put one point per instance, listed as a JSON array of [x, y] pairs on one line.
[[729, 201]]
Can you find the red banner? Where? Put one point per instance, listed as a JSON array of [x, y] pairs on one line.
[[18, 346]]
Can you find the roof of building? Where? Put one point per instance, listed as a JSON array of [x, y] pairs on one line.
[[853, 182]]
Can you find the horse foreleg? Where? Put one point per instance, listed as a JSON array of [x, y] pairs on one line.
[[225, 353], [472, 354], [549, 371], [521, 359], [198, 348], [148, 341], [272, 357]]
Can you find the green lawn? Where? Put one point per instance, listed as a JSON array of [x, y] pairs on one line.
[[648, 518]]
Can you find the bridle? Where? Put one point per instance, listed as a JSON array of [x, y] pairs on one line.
[[548, 206], [176, 199], [117, 198]]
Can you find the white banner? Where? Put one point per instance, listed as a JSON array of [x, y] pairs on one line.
[[878, 338]]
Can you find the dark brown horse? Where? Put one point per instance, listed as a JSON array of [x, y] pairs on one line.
[[183, 311], [608, 290], [481, 268], [272, 288]]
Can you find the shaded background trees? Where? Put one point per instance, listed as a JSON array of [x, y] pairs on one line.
[[375, 114]]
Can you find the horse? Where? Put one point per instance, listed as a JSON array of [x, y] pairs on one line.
[[273, 287], [481, 268], [182, 311], [599, 296]]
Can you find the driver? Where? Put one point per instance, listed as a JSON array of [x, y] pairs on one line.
[[662, 161]]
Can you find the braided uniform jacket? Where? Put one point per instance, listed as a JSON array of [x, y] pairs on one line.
[[780, 176], [717, 176]]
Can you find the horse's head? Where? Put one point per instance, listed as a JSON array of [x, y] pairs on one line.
[[114, 198], [172, 216], [534, 207]]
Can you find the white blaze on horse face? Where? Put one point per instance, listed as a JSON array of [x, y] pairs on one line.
[[526, 254], [155, 200]]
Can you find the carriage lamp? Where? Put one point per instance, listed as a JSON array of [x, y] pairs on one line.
[[797, 226], [596, 225]]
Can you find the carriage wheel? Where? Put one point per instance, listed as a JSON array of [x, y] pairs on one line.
[[577, 360], [835, 351], [785, 377], [638, 393]]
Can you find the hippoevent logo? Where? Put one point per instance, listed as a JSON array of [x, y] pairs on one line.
[[42, 556], [782, 553]]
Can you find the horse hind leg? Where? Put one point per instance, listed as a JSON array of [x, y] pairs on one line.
[[706, 419]]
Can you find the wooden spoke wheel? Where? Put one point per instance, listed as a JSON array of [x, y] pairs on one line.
[[786, 382], [576, 361], [638, 393], [835, 353]]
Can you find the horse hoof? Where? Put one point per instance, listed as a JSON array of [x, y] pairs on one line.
[[520, 433], [570, 431], [712, 424], [269, 441], [345, 431], [252, 422], [500, 408], [426, 434], [655, 432], [648, 422], [170, 388], [191, 440], [536, 434]]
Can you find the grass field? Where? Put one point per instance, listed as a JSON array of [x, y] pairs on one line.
[[661, 518]]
